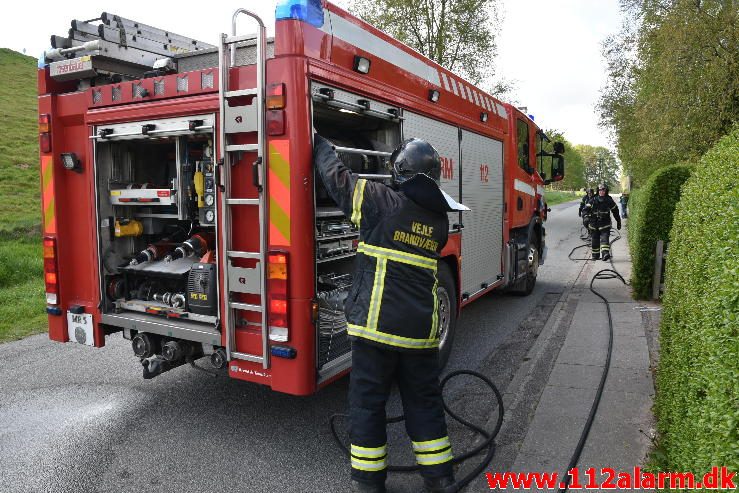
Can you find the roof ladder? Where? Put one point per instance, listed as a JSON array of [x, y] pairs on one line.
[[257, 279]]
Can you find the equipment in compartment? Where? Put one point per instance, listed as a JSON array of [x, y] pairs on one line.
[[197, 246], [143, 195], [332, 280], [201, 289], [207, 209], [155, 251], [333, 339], [335, 236], [128, 227], [154, 190], [333, 227], [170, 289]]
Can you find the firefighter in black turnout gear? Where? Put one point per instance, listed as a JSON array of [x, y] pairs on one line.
[[392, 309], [601, 208], [583, 212]]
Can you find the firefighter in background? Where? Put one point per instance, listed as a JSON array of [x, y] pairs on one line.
[[582, 212], [392, 309], [624, 199], [600, 209]]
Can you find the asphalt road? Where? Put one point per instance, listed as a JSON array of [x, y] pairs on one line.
[[76, 419]]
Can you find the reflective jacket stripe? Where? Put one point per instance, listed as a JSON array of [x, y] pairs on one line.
[[390, 339], [397, 256], [435, 316], [357, 200], [373, 314], [369, 330]]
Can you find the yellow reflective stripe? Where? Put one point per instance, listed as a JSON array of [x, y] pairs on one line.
[[357, 200], [431, 444], [390, 339], [366, 465], [435, 315], [369, 452], [373, 314], [433, 459], [397, 256]]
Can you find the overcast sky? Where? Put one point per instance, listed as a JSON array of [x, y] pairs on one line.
[[550, 49]]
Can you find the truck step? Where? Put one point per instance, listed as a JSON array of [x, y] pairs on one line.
[[245, 306], [242, 148], [236, 254], [240, 93], [247, 357], [242, 201]]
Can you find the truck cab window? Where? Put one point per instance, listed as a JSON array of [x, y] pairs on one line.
[[538, 152], [523, 145]]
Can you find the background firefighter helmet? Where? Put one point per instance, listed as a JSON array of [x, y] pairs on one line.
[[414, 156]]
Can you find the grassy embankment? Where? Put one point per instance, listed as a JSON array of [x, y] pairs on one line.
[[21, 269], [554, 197]]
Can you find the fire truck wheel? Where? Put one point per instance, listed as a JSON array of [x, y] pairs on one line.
[[525, 286], [446, 294]]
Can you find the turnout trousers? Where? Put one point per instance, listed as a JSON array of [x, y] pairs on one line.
[[601, 238], [374, 369]]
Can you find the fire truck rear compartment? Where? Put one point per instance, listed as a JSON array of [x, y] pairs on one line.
[[351, 131], [156, 238]]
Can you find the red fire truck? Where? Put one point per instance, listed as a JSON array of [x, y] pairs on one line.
[[181, 207]]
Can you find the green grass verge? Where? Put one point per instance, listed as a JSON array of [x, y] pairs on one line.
[[22, 302], [554, 197], [20, 192]]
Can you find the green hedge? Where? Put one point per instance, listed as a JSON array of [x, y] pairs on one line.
[[650, 219], [698, 375]]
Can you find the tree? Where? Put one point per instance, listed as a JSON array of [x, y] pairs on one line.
[[457, 34], [599, 166], [673, 81], [574, 166]]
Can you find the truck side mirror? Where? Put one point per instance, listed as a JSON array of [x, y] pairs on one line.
[[558, 167], [559, 148]]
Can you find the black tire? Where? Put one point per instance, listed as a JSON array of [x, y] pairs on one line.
[[525, 286], [447, 296]]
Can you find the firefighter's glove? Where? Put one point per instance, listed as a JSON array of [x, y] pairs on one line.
[[618, 225], [579, 213]]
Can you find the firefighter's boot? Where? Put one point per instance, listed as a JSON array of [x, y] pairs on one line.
[[360, 487], [444, 484]]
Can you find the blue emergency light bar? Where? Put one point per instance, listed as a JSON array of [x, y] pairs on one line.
[[310, 11]]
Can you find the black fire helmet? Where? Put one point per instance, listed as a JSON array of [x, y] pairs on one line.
[[414, 156]]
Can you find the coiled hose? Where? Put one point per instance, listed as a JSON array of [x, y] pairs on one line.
[[488, 436]]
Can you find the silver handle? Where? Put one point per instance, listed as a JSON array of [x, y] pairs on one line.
[[352, 150]]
